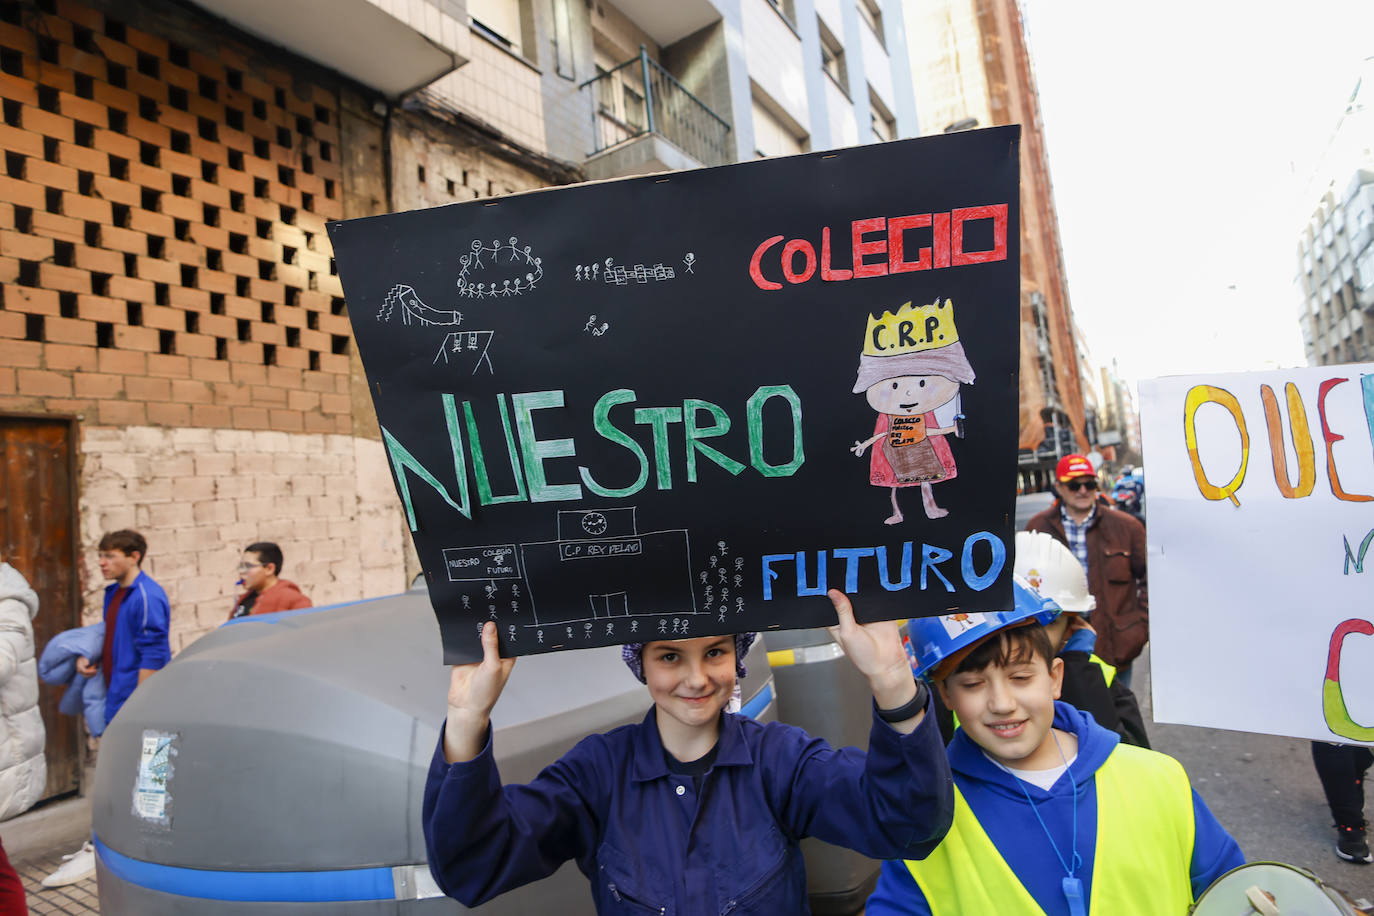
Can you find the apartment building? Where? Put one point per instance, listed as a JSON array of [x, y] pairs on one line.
[[1092, 394], [971, 67], [1335, 277], [1334, 280], [639, 86], [1118, 433]]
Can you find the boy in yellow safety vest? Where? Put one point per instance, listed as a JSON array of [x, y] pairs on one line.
[[1053, 814]]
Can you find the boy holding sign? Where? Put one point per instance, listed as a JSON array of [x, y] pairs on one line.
[[1052, 814], [694, 809]]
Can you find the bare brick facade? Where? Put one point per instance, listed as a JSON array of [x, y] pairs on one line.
[[166, 278], [162, 241], [201, 494]]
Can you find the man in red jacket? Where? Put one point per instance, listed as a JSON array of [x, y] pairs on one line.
[[260, 572], [1111, 546]]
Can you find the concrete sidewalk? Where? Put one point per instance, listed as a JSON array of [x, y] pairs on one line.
[[36, 841], [77, 899]]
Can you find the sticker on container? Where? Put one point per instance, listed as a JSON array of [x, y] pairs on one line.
[[152, 800]]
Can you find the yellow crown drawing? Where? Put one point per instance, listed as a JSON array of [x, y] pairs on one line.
[[913, 329]]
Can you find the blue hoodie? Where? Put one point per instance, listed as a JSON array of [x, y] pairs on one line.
[[140, 639], [997, 800], [1080, 641]]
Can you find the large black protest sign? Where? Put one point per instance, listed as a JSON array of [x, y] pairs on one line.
[[689, 404]]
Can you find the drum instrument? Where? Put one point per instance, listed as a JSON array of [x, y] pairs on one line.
[[1272, 889]]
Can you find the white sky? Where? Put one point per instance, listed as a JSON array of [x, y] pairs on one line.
[[1180, 135]]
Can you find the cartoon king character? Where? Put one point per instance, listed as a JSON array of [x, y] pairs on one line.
[[911, 367]]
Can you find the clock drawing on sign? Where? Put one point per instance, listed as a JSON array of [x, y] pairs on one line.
[[594, 523]]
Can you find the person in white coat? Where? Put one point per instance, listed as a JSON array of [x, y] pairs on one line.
[[23, 771]]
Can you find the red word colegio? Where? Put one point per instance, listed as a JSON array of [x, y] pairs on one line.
[[946, 249]]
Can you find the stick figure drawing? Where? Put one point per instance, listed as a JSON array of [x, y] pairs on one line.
[[910, 371]]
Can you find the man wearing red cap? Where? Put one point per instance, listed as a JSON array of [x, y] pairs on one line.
[[1111, 546]]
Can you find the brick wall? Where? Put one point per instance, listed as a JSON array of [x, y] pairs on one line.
[[162, 246], [165, 276], [200, 495], [433, 170]]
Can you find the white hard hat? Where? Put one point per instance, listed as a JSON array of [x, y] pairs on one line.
[[1053, 570]]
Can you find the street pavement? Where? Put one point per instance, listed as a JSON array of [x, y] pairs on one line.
[[77, 899], [1028, 505], [1264, 790]]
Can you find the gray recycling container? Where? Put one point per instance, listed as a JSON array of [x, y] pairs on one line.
[[821, 692], [277, 765]]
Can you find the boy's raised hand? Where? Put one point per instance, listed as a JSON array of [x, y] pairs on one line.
[[876, 650], [473, 690]]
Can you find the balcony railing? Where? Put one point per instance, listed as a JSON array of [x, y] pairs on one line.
[[639, 97]]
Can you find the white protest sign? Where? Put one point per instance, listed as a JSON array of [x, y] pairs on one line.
[[1260, 493]]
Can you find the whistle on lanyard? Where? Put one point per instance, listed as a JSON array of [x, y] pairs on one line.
[[1073, 893]]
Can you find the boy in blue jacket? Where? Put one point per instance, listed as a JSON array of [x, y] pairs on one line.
[[137, 617], [695, 810], [1053, 815]]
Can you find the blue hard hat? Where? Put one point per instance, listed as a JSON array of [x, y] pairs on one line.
[[934, 639]]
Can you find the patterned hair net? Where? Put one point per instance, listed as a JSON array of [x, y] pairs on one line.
[[633, 654]]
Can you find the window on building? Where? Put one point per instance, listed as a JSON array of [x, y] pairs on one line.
[[832, 58], [619, 96], [774, 133], [498, 20], [562, 39], [1048, 382], [1038, 312], [870, 13], [883, 123], [786, 7], [1045, 360]]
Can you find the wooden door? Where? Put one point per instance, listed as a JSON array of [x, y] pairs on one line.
[[38, 537]]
